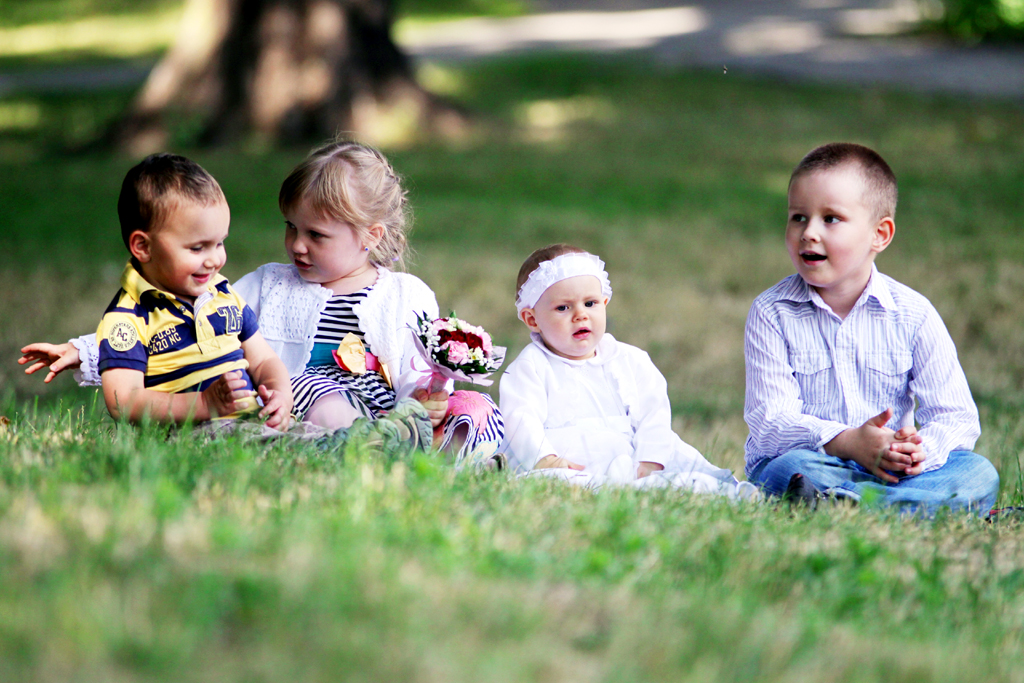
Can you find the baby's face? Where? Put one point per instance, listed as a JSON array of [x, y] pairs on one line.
[[570, 317]]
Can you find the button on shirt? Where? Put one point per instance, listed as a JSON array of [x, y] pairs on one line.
[[811, 375]]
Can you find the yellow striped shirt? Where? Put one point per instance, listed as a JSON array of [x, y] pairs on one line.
[[178, 345]]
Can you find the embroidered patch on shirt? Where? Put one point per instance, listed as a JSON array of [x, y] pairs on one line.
[[122, 336]]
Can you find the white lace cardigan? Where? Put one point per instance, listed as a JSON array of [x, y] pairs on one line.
[[288, 309]]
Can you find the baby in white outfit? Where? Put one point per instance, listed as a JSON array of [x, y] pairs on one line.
[[582, 406]]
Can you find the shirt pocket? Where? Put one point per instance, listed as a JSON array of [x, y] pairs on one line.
[[813, 372], [885, 380]]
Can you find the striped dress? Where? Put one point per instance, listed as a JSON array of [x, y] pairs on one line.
[[369, 393], [473, 429]]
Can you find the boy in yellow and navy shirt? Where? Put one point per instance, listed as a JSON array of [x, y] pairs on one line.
[[177, 342]]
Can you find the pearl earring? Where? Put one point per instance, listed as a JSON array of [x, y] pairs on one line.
[[366, 249]]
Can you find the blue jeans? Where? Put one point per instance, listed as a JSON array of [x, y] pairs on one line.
[[966, 481]]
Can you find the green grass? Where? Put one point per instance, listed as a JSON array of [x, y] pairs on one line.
[[125, 555]]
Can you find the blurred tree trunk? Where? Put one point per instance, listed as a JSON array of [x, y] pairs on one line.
[[283, 70]]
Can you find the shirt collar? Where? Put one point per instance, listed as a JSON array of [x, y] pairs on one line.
[[877, 288], [135, 285]]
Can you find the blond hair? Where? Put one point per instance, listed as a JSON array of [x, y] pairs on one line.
[[354, 183]]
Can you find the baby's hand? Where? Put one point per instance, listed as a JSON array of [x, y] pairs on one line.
[[277, 407], [58, 357], [221, 396], [646, 468], [554, 462], [435, 403]]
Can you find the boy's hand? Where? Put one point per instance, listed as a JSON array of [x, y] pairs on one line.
[[277, 407], [867, 445], [646, 468], [221, 396], [554, 462], [58, 357], [906, 454], [435, 403]]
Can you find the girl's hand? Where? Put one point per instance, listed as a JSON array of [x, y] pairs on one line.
[[646, 468], [435, 403], [277, 407], [554, 462], [58, 357]]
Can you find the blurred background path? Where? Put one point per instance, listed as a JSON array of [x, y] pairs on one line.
[[851, 41], [854, 41]]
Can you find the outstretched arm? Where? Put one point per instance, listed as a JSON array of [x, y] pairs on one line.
[[54, 357]]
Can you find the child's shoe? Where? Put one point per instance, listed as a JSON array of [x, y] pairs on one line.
[[1003, 515], [800, 491]]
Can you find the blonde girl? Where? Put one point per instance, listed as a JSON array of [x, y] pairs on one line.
[[339, 314]]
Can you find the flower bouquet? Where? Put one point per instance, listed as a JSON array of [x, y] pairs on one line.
[[456, 350]]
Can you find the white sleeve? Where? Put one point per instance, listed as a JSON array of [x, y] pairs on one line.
[[87, 374], [413, 370], [653, 438], [249, 287], [524, 408]]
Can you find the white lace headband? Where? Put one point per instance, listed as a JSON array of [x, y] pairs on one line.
[[561, 268]]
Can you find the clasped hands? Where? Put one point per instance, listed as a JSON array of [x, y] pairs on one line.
[[880, 450]]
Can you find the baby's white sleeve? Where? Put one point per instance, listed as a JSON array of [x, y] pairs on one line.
[[524, 408], [87, 375], [653, 438]]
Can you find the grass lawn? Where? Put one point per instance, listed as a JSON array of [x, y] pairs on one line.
[[128, 555]]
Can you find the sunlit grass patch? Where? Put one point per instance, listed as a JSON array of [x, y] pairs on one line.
[[111, 36]]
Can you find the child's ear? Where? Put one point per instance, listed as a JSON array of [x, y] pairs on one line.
[[139, 246], [374, 235], [885, 230], [529, 319]]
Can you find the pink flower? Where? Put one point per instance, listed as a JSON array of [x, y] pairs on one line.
[[458, 352], [488, 347]]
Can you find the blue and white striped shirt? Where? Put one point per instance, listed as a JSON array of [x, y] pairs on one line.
[[811, 376]]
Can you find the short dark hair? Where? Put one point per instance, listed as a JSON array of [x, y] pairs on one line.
[[880, 192], [538, 257], [153, 186]]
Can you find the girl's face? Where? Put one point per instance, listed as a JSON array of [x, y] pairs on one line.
[[327, 251]]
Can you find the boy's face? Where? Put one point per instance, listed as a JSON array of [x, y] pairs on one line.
[[186, 250], [833, 235], [570, 317]]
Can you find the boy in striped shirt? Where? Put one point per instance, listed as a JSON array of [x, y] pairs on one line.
[[837, 354], [177, 342]]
